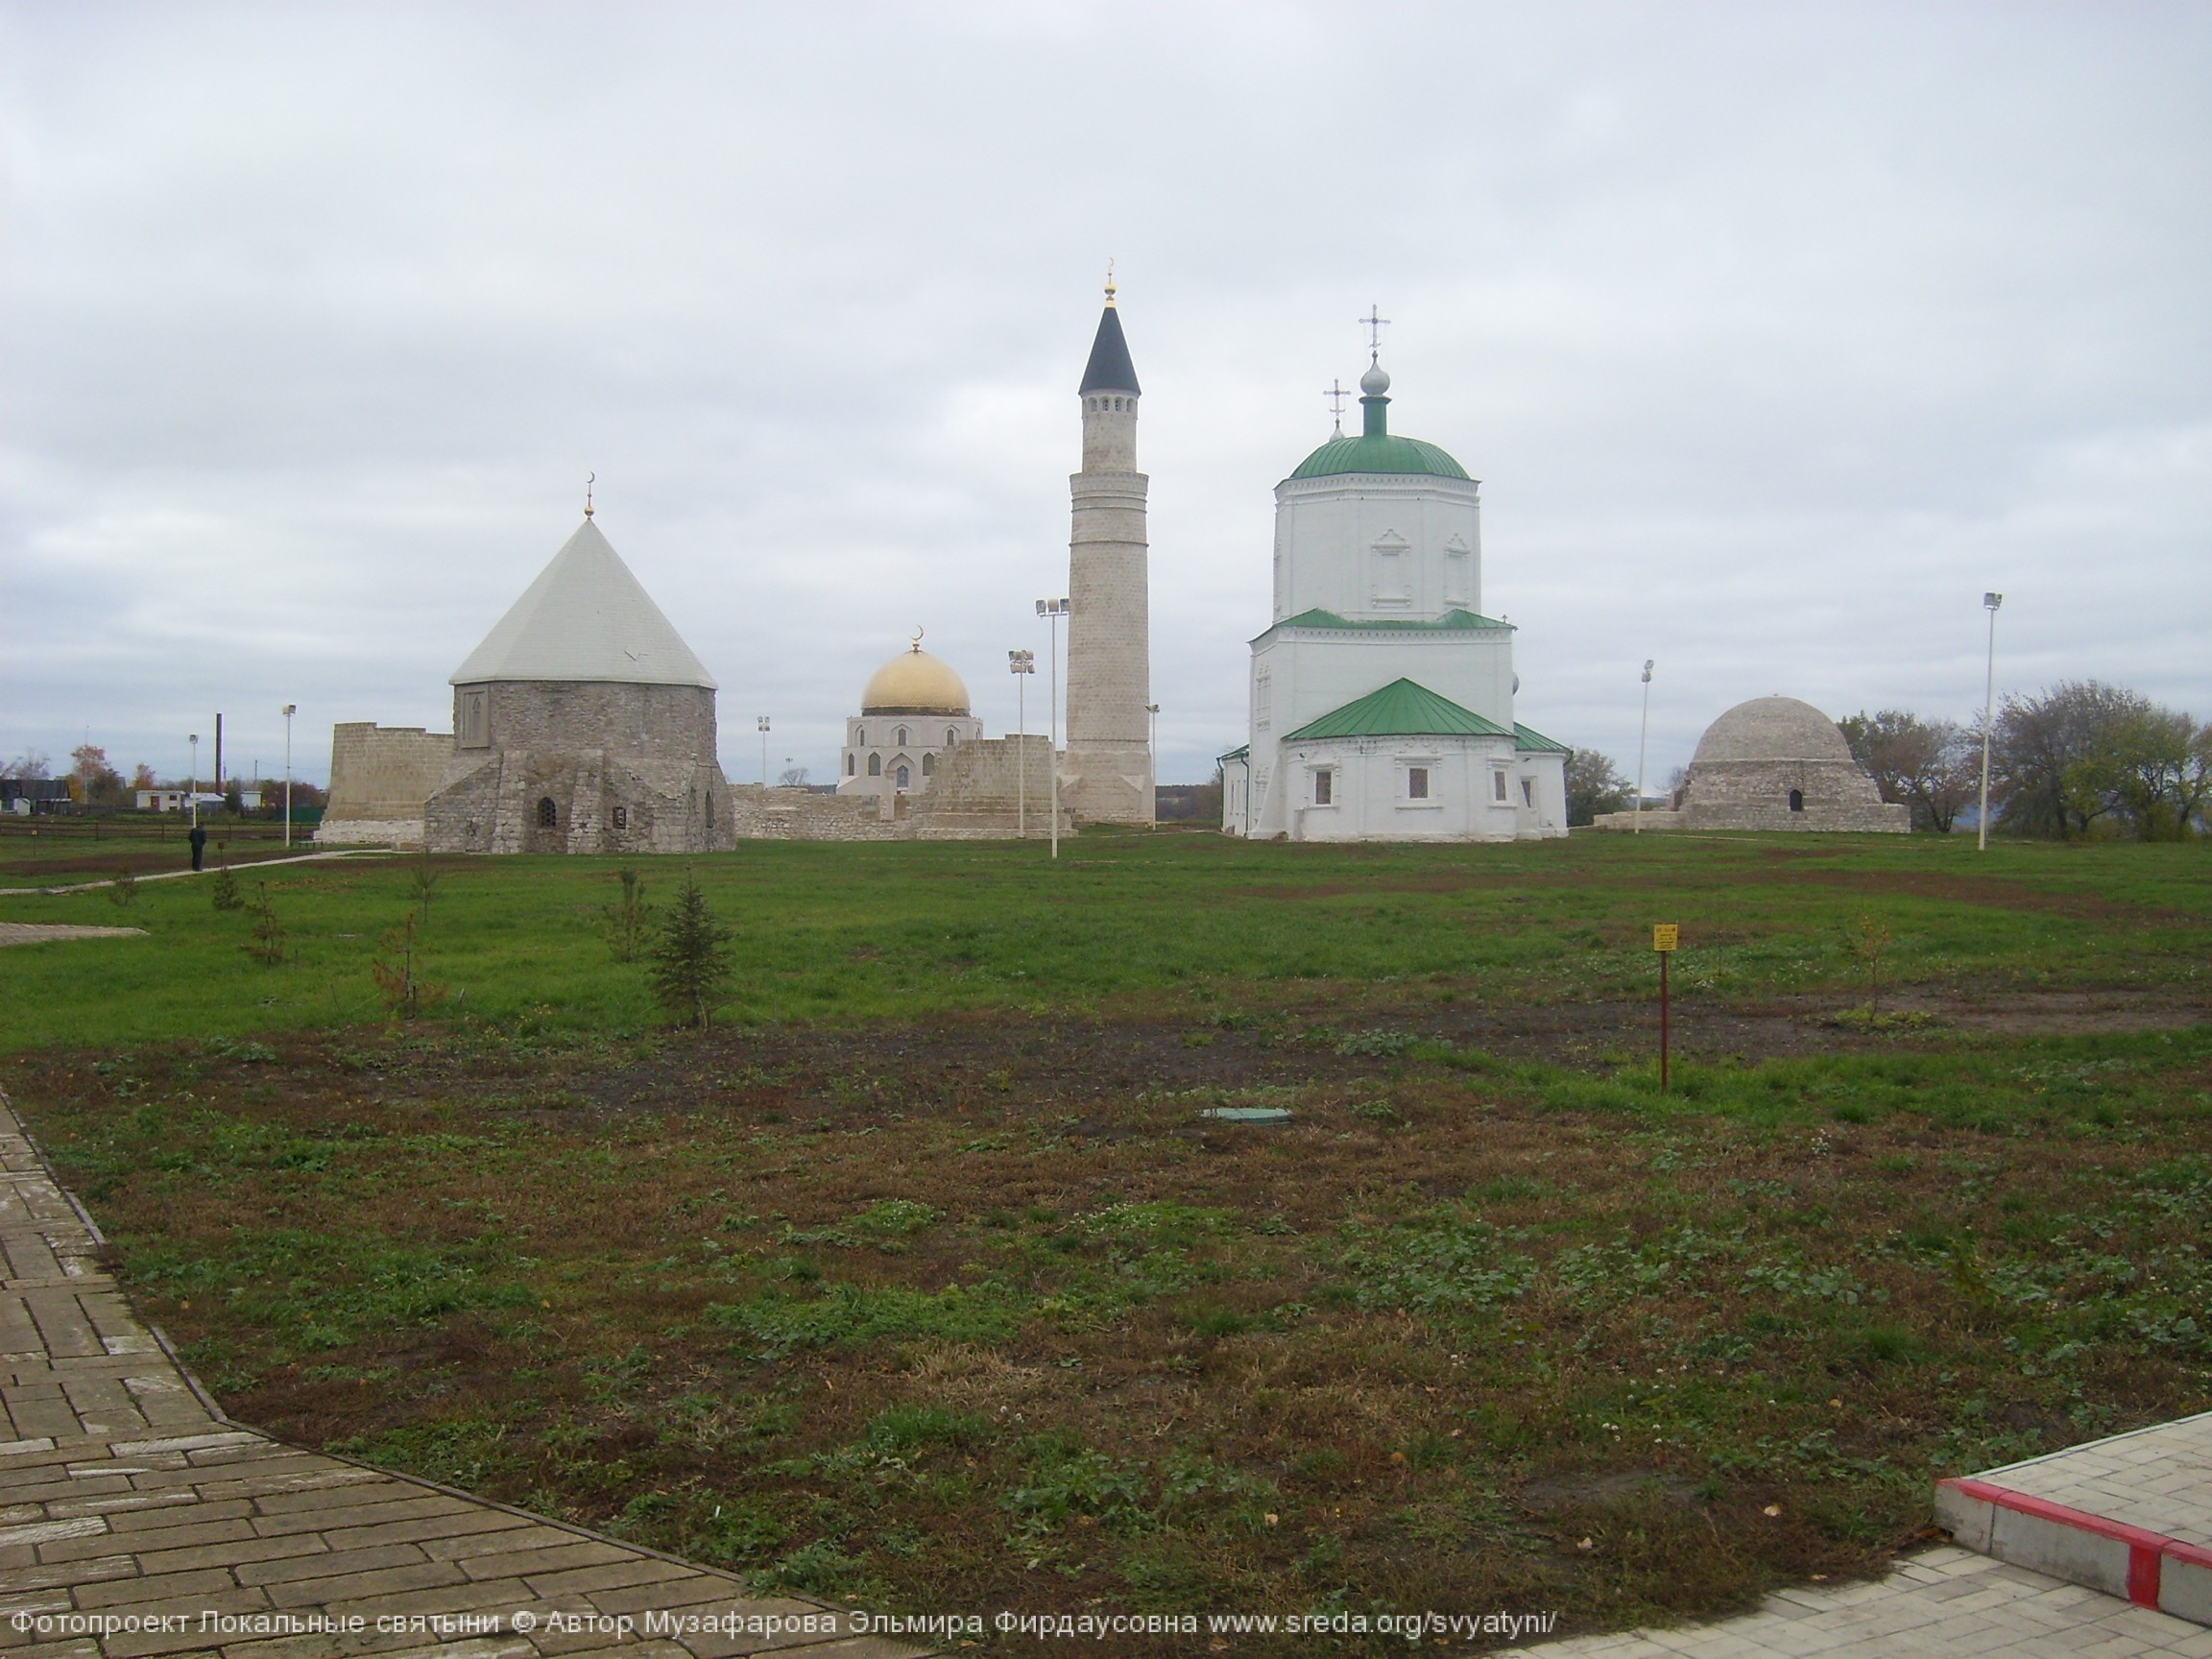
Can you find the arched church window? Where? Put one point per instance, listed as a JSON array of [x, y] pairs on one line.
[[929, 765], [900, 739], [874, 765], [548, 814], [951, 738], [860, 737], [1796, 800], [904, 778], [852, 764]]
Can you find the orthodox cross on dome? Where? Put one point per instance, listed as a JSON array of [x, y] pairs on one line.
[[1335, 391], [1108, 284], [1375, 323], [590, 479]]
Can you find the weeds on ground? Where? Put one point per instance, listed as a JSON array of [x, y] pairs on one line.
[[399, 976], [627, 922]]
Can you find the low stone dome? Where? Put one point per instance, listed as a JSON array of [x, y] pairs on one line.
[[914, 683], [1772, 729]]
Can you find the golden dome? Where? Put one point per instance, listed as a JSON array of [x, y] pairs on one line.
[[914, 683]]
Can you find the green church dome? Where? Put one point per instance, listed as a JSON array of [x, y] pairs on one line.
[[1388, 453], [1377, 448]]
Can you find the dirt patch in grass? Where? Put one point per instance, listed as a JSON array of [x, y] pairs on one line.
[[981, 1312]]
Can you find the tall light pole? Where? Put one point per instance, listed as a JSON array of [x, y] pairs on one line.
[[1152, 754], [192, 785], [1021, 664], [763, 723], [1636, 827], [1052, 609], [290, 710], [1989, 602]]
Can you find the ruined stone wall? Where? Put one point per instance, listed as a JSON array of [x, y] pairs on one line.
[[380, 778], [600, 803]]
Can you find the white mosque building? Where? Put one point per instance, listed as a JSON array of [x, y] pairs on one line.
[[1382, 698], [912, 710]]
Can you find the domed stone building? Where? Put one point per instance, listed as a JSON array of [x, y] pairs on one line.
[[1775, 763], [913, 710]]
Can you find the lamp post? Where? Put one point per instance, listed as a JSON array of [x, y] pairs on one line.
[[1636, 827], [192, 785], [763, 723], [1989, 602], [1021, 664], [290, 710], [1052, 609], [1152, 754]]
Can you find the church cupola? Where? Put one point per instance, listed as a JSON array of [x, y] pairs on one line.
[[1375, 402], [1109, 393]]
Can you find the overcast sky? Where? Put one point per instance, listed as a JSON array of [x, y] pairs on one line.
[[1776, 334]]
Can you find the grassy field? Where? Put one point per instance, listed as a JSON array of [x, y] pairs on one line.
[[929, 1278]]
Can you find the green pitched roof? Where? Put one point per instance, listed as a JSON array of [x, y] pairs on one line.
[[1529, 740], [1398, 709], [1384, 452], [1450, 620]]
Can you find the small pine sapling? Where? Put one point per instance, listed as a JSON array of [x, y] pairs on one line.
[[267, 945], [425, 882], [224, 890], [628, 918], [398, 973], [691, 958], [123, 890]]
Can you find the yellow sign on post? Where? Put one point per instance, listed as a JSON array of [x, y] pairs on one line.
[[1664, 936]]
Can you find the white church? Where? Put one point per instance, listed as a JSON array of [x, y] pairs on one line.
[[1382, 698]]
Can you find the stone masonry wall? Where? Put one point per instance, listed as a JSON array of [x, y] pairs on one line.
[[980, 789], [1755, 795], [380, 776], [655, 722]]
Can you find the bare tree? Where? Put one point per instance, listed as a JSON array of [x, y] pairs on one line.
[[1929, 766], [792, 777], [1594, 785], [28, 765]]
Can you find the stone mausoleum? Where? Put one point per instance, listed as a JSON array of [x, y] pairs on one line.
[[1774, 763], [582, 724]]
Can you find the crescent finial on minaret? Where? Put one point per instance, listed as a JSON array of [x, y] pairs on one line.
[[919, 631], [1108, 284], [590, 479]]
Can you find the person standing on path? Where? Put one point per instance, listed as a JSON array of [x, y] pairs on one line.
[[199, 840]]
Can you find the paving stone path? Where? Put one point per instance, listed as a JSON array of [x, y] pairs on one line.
[[134, 1519], [47, 933], [1943, 1604]]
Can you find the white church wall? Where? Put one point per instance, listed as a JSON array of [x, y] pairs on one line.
[[1328, 535], [1541, 785], [1307, 673], [1372, 789]]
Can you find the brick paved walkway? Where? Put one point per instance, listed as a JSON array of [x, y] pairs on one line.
[[125, 1498]]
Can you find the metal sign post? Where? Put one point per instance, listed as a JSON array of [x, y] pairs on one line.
[[1665, 938]]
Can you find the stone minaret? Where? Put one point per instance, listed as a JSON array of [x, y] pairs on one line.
[[1108, 766]]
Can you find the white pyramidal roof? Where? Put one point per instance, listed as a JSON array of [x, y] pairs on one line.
[[586, 617]]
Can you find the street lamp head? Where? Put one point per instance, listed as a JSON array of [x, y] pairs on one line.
[[1647, 670], [1990, 601], [763, 723], [1021, 662], [290, 710], [1051, 606]]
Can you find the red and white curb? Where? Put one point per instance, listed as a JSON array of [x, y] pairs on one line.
[[2147, 1568]]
